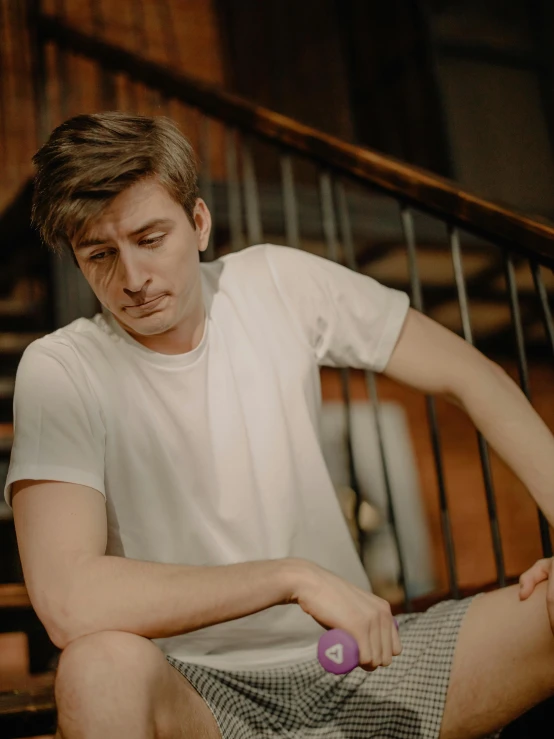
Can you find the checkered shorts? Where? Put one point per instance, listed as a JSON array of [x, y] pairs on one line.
[[403, 701]]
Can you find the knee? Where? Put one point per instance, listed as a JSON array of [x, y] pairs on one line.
[[102, 659]]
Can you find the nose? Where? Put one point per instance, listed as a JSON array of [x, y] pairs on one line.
[[132, 273]]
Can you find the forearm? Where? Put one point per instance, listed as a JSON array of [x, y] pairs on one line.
[[160, 600], [515, 431]]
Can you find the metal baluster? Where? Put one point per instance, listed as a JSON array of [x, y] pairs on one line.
[[233, 192], [345, 227], [417, 301], [543, 297], [330, 235], [348, 242], [523, 370], [516, 321], [549, 329], [454, 239], [252, 202], [328, 216], [107, 83], [205, 177], [290, 210]]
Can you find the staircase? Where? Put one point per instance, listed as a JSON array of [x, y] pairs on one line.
[[477, 267]]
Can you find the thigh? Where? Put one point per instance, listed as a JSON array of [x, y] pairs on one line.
[[503, 663], [188, 715]]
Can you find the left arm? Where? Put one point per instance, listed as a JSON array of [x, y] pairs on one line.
[[434, 360]]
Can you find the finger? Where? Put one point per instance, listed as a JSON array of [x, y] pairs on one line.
[[386, 638], [366, 656], [538, 570], [533, 576], [376, 641], [396, 643]]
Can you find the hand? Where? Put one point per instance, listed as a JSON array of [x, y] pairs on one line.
[[337, 604], [541, 570]]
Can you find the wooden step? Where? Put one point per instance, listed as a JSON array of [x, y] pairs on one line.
[[6, 439], [18, 615], [25, 310], [28, 708], [12, 346], [26, 322], [7, 387], [17, 342], [14, 595]]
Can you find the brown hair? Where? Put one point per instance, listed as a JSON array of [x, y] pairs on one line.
[[90, 159]]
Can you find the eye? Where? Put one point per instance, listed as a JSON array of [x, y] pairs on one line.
[[152, 241], [97, 257]]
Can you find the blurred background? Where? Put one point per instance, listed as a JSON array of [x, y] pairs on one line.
[[457, 89]]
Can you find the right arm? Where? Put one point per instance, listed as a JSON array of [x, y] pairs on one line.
[[76, 589]]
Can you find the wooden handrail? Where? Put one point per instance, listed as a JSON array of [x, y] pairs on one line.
[[412, 185]]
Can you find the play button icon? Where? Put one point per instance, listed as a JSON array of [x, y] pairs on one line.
[[335, 654], [338, 652]]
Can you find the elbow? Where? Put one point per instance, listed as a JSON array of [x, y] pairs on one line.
[[57, 636], [59, 621], [62, 633], [52, 624]]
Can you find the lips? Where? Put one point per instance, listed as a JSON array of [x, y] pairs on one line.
[[145, 305]]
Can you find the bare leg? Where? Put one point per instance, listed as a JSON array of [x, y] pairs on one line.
[[114, 684], [503, 664]]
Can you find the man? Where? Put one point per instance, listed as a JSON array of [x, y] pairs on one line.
[[179, 534]]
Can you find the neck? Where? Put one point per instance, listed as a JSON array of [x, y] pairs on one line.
[[180, 339]]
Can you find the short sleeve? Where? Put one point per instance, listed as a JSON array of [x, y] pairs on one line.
[[348, 319], [58, 429]]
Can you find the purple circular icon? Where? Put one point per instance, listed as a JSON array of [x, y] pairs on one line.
[[338, 652]]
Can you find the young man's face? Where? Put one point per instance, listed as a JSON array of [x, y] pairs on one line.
[[141, 260]]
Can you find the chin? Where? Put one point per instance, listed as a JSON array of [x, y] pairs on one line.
[[150, 328]]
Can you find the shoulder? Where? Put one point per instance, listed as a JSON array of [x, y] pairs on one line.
[[61, 348], [250, 258], [263, 256], [255, 266], [275, 262]]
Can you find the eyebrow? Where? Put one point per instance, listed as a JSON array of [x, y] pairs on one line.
[[145, 227]]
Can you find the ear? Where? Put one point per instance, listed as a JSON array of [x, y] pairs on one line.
[[203, 222]]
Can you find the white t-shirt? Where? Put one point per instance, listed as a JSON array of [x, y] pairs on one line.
[[213, 456]]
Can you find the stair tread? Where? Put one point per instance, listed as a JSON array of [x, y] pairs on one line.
[[6, 436], [7, 386], [14, 595], [18, 308], [28, 693], [17, 342]]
